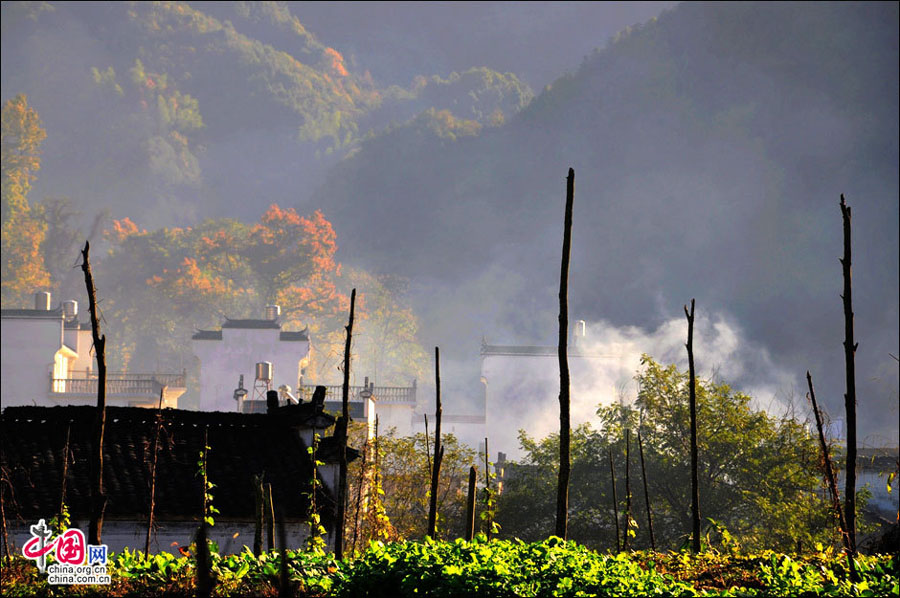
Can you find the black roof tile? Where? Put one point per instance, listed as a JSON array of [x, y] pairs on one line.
[[241, 445]]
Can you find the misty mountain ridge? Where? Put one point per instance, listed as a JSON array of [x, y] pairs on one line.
[[179, 95], [710, 148]]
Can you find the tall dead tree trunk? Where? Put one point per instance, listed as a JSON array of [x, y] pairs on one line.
[[470, 504], [695, 476], [627, 489], [98, 496], [646, 493], [153, 473], [438, 448], [562, 490], [342, 431], [829, 470], [615, 497], [850, 396]]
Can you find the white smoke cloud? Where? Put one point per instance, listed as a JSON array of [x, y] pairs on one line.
[[522, 392]]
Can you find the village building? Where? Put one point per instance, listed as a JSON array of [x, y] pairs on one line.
[[231, 354], [521, 388], [46, 451], [48, 360]]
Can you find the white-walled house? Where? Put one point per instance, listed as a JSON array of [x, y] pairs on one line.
[[521, 388], [234, 350], [48, 360]]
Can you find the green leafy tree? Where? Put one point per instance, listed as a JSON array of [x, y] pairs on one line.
[[759, 475], [406, 477]]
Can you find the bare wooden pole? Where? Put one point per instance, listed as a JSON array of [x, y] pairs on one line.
[[3, 519], [205, 473], [360, 482], [695, 477], [98, 495], [850, 396], [285, 589], [438, 448], [270, 519], [65, 471], [427, 445], [488, 507], [205, 581], [562, 491], [829, 470], [343, 424], [470, 505], [646, 493], [627, 488], [153, 459], [615, 497], [258, 532]]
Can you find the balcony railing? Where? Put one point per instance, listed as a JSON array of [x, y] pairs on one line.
[[382, 394], [117, 383]]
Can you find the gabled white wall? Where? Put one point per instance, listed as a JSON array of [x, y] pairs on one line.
[[27, 351], [223, 361]]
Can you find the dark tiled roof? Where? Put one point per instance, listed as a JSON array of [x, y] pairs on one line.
[[302, 335], [76, 325], [357, 408], [229, 323], [533, 350], [43, 314], [241, 445], [207, 335]]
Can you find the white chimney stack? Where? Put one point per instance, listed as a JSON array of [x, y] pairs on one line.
[[42, 301]]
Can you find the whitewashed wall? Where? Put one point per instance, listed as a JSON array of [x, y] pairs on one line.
[[223, 361]]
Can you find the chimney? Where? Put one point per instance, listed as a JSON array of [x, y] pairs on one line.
[[70, 310], [578, 335], [42, 301], [272, 312], [271, 401]]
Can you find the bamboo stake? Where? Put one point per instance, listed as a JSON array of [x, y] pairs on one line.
[[98, 496], [695, 478], [438, 448], [627, 489], [615, 497], [345, 421], [850, 396], [562, 491], [646, 494], [470, 504]]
